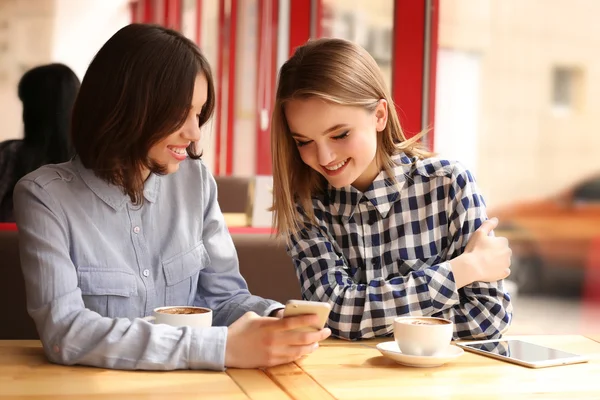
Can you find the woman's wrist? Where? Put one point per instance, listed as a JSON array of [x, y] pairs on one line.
[[464, 269]]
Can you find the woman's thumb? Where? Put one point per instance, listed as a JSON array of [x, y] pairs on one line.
[[488, 226]]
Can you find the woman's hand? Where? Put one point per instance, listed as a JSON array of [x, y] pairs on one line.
[[254, 341], [486, 258]]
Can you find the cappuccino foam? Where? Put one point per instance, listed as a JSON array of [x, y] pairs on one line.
[[183, 310], [425, 322]]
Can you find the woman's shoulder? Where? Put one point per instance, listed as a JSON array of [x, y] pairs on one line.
[[439, 167], [9, 149], [10, 144], [49, 175]]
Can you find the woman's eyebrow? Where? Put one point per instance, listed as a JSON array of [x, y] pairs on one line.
[[325, 132]]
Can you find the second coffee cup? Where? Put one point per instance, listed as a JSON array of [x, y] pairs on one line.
[[196, 317], [423, 336]]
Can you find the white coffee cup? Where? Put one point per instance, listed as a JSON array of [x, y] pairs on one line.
[[196, 317], [423, 336]]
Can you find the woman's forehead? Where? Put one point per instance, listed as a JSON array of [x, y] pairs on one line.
[[314, 116], [200, 90]]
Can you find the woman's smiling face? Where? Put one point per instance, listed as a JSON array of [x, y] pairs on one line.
[[339, 142], [171, 150]]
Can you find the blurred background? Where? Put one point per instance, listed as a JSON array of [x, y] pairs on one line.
[[511, 88]]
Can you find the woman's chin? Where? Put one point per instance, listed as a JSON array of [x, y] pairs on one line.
[[338, 183], [172, 168]]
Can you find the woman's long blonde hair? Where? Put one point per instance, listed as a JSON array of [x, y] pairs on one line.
[[339, 72]]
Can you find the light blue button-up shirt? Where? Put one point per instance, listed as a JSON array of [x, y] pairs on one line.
[[94, 264]]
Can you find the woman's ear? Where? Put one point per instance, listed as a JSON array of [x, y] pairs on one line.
[[381, 115]]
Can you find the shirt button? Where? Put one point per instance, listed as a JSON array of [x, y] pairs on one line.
[[136, 229], [146, 273]]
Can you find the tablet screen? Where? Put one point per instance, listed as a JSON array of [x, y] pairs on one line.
[[520, 350]]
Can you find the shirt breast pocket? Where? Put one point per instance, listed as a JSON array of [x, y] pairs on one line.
[[107, 291], [182, 272]]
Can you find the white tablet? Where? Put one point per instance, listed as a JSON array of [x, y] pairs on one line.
[[522, 353]]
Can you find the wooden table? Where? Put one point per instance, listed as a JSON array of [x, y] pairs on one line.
[[26, 374], [341, 370], [337, 370]]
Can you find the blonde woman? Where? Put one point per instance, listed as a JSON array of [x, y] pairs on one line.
[[377, 226]]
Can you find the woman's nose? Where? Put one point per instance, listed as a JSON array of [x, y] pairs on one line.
[[325, 154], [191, 130]]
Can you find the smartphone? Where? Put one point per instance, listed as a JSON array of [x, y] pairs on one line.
[[522, 353], [303, 307]]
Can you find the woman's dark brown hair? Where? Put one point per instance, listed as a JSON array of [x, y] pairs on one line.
[[137, 90]]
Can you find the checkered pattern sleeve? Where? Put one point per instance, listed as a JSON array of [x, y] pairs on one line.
[[484, 310], [366, 293]]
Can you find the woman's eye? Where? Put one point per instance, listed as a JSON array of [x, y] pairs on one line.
[[300, 144], [342, 135]]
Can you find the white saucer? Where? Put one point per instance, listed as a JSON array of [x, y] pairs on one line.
[[391, 350]]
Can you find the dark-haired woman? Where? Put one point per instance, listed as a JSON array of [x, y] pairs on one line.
[[132, 223]]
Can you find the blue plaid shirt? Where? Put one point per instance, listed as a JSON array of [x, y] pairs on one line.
[[384, 253]]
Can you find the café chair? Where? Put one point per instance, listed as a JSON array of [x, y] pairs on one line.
[[16, 323]]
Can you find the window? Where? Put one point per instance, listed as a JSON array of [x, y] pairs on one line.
[[368, 23]]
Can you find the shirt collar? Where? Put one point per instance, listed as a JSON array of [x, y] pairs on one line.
[[382, 193], [113, 195]]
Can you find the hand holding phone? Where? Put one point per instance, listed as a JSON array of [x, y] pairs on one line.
[[303, 307], [256, 342]]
